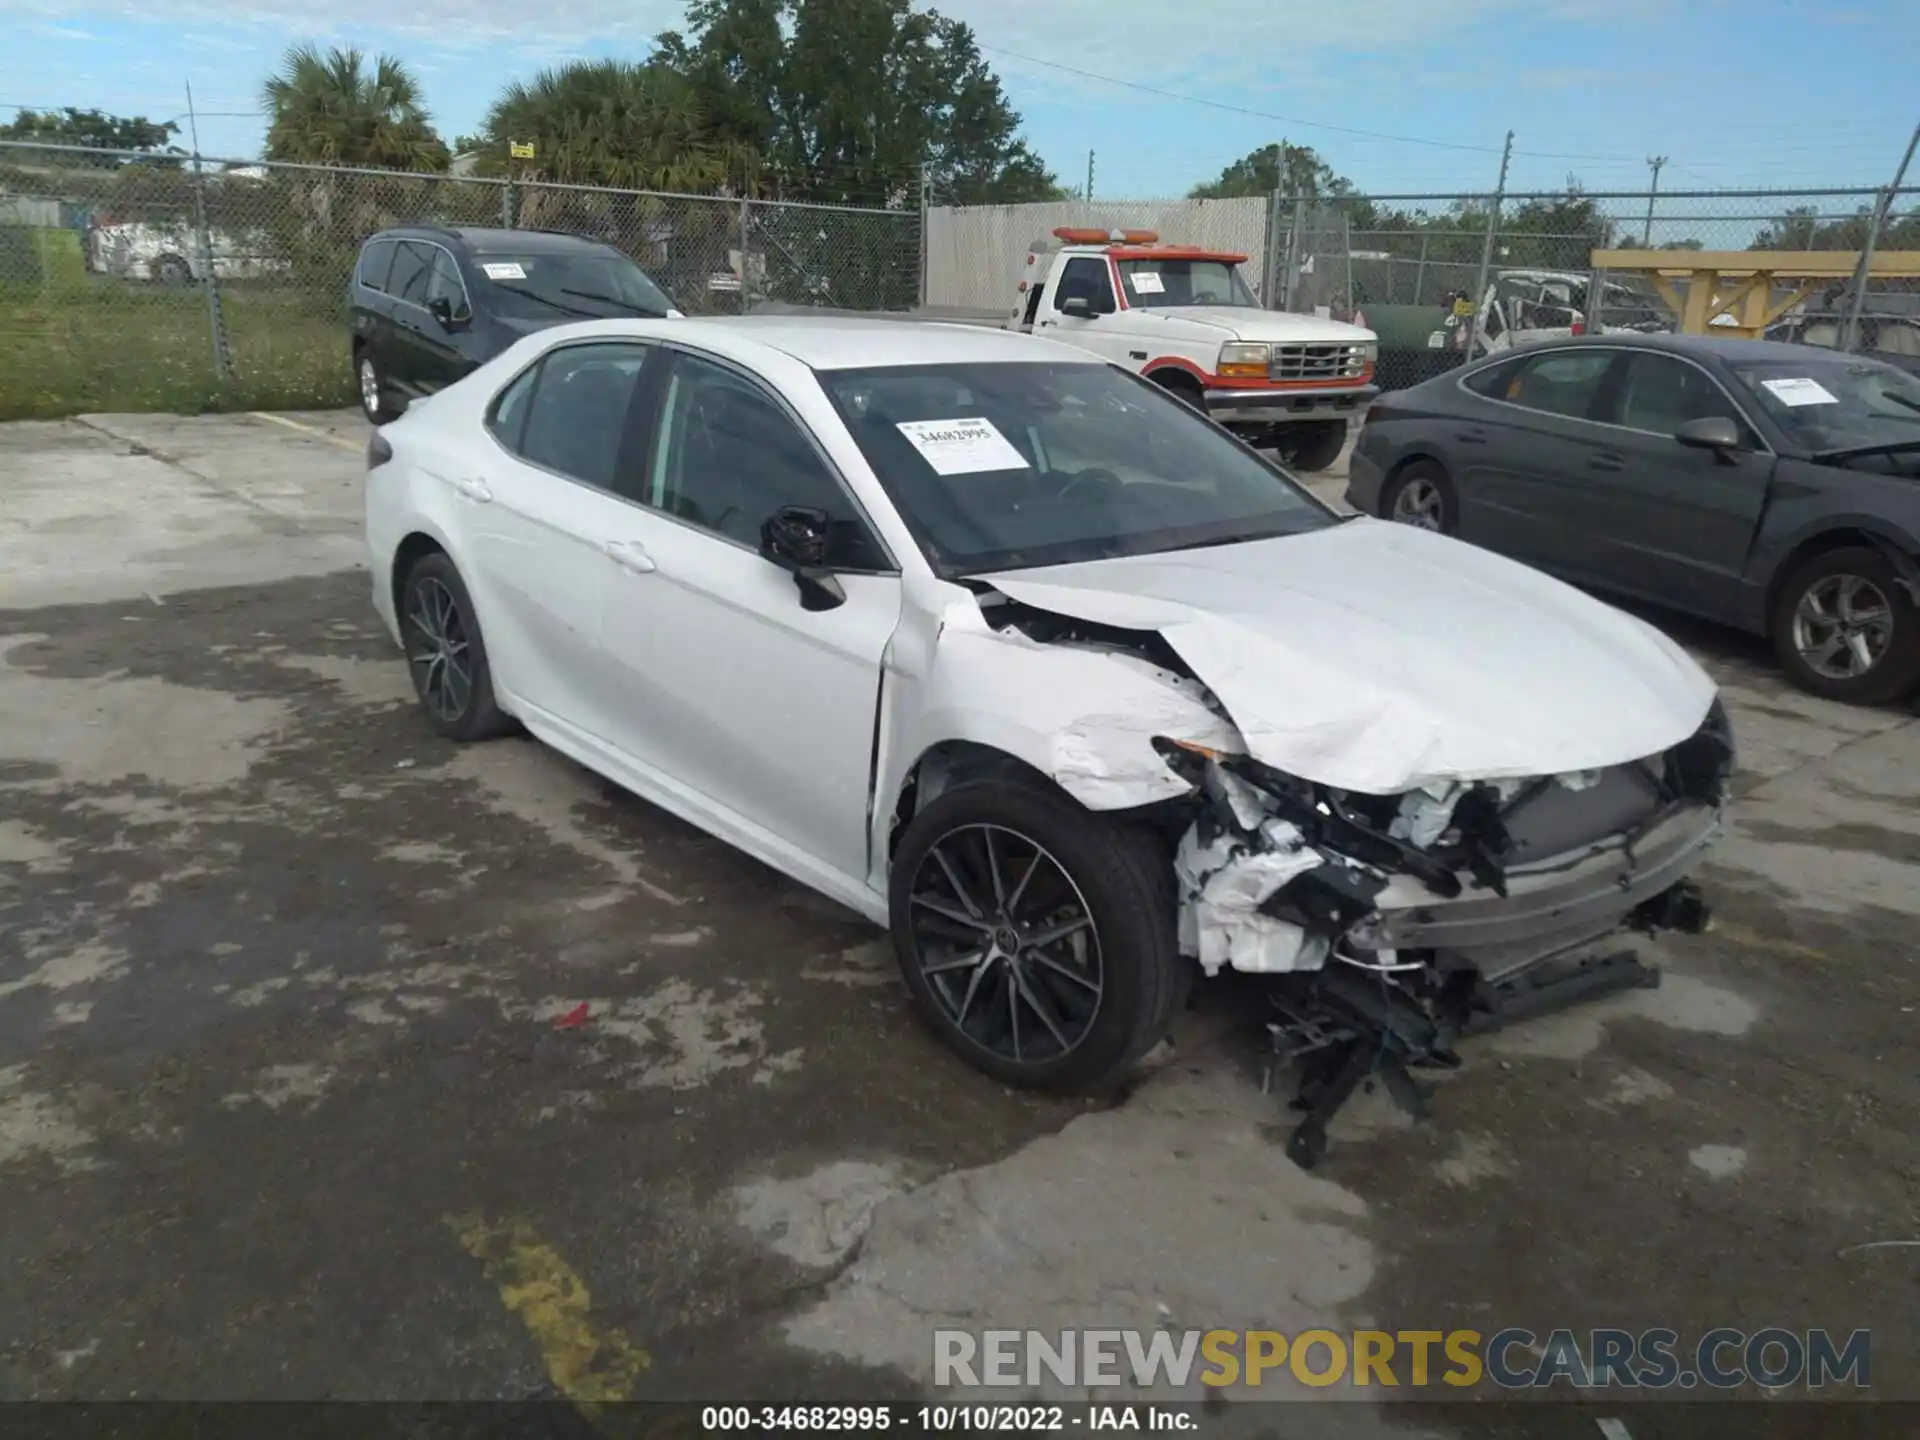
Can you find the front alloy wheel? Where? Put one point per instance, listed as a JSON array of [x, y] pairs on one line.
[[1845, 627], [1037, 937], [1418, 504], [1006, 944]]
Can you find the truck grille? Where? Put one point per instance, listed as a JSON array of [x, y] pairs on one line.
[[1318, 362]]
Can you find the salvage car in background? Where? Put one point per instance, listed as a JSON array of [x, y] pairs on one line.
[[1014, 652], [170, 253], [430, 303], [1771, 487]]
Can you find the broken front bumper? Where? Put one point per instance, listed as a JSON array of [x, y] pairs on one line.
[[1276, 407], [1550, 907]]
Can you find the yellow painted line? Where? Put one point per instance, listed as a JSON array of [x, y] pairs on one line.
[[315, 431], [1755, 940], [587, 1363]]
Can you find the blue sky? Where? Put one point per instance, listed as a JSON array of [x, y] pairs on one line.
[[1772, 93]]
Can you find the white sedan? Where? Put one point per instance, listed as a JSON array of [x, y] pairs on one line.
[[1017, 655]]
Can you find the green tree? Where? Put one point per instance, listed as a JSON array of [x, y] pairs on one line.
[[1296, 171], [340, 107], [95, 130], [846, 100], [611, 122]]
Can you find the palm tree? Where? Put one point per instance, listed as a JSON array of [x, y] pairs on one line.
[[337, 108], [633, 126]]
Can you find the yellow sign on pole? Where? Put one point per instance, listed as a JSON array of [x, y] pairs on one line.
[[520, 149]]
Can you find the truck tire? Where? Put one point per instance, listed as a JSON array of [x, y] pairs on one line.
[[1315, 445], [1181, 386]]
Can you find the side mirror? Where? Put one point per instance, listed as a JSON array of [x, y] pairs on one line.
[[1078, 306], [1710, 432], [441, 308], [795, 537]]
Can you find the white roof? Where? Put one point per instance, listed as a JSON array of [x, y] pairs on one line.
[[833, 342]]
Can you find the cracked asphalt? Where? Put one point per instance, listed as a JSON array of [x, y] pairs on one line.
[[338, 1061]]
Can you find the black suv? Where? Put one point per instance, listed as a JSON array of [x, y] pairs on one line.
[[430, 303]]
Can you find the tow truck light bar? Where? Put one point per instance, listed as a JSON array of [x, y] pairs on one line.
[[1074, 236]]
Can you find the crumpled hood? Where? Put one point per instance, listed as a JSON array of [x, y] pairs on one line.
[[1379, 658]]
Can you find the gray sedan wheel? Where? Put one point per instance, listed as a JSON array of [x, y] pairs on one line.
[[1421, 495], [1844, 627]]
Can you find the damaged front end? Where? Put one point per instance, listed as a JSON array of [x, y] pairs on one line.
[[1398, 924]]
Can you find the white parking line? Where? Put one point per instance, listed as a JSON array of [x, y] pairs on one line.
[[1613, 1429], [312, 430]]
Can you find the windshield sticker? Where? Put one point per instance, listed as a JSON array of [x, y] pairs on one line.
[[506, 270], [1800, 391], [1147, 282], [961, 447]]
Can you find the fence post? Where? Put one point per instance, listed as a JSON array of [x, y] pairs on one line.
[[1420, 269], [222, 356], [1850, 332], [1486, 250], [746, 229], [506, 205], [1293, 250], [926, 207]]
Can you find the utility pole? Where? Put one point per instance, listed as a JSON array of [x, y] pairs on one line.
[[1850, 332], [1089, 177], [926, 211], [1655, 163], [1486, 250]]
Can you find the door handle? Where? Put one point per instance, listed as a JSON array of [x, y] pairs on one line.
[[630, 555], [473, 489], [1606, 462], [1471, 437]]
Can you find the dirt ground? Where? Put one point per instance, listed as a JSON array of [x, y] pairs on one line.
[[298, 1098]]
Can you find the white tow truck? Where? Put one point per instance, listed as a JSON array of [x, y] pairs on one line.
[[1185, 318]]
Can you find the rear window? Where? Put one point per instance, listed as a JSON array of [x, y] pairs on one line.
[[375, 260], [590, 283]]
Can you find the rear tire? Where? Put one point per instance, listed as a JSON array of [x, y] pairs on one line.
[[1833, 609], [373, 389], [172, 270], [1075, 1013], [1421, 494], [1315, 445], [446, 654]]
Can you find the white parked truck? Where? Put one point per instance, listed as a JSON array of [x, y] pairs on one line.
[[1185, 317]]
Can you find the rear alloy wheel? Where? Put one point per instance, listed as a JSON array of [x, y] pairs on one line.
[[445, 653], [1421, 495], [1314, 446], [1844, 628], [172, 270], [373, 390], [1036, 936]]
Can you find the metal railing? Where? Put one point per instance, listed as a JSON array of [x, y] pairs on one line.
[[139, 282]]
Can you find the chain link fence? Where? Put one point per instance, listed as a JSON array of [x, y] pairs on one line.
[[135, 282]]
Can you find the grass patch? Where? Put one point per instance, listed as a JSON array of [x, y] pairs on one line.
[[108, 345]]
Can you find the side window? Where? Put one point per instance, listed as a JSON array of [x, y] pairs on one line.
[[408, 279], [509, 418], [375, 261], [1560, 382], [727, 457], [1492, 381], [444, 283], [1034, 295], [577, 415], [1660, 394], [1087, 279]]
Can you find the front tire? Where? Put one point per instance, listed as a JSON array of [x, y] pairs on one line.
[[1037, 937], [1421, 494], [446, 654], [1315, 445], [1845, 629]]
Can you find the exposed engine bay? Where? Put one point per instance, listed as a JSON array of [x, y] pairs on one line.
[[1393, 925]]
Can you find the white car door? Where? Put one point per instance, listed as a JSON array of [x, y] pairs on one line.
[[1109, 332], [729, 686], [539, 508]]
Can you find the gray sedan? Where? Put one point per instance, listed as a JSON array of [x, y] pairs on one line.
[[1771, 487]]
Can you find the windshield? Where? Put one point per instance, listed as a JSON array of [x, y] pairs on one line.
[[1166, 284], [1010, 465], [1833, 404], [585, 284]]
